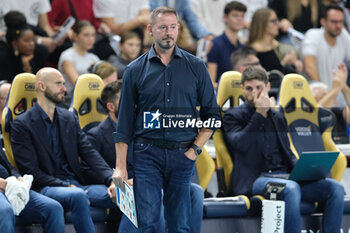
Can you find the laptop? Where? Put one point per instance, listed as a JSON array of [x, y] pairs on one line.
[[311, 166]]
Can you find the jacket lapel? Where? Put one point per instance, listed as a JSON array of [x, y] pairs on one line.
[[108, 126], [64, 128]]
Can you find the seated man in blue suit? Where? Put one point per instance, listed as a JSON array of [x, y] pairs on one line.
[[39, 209], [102, 140], [256, 137], [48, 143]]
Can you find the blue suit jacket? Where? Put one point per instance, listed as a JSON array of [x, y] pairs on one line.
[[101, 139], [33, 154], [243, 131], [6, 165]]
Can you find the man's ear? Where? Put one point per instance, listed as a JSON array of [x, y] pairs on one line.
[[268, 87], [323, 21], [241, 69], [40, 86], [225, 18], [110, 107], [149, 29]]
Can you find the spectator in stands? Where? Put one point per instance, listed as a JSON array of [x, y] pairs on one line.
[[324, 49], [49, 210], [341, 4], [20, 53], [185, 12], [272, 54], [252, 6], [76, 60], [243, 58], [256, 137], [48, 143], [328, 99], [35, 12], [105, 70], [130, 48], [79, 9], [297, 14], [123, 16], [224, 45], [210, 13], [4, 92]]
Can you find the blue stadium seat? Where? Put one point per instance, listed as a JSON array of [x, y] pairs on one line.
[[226, 207]]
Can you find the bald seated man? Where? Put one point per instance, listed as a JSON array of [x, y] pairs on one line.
[[4, 91], [47, 141]]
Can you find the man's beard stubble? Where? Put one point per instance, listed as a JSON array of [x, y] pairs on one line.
[[53, 98]]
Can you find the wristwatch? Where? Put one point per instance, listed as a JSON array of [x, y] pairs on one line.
[[197, 149]]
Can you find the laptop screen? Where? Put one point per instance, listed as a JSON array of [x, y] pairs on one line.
[[314, 165]]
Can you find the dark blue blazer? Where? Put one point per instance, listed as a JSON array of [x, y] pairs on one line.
[[6, 165], [101, 139], [33, 154], [243, 132]]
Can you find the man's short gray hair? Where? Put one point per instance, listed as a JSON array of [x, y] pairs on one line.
[[162, 10]]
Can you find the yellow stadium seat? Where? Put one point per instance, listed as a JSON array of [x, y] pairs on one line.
[[229, 95], [205, 166], [309, 126], [86, 101], [22, 97]]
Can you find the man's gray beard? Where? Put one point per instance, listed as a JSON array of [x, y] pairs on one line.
[[167, 46]]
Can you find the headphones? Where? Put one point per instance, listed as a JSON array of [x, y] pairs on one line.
[[95, 66]]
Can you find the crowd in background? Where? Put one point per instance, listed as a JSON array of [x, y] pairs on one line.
[[115, 32], [309, 37]]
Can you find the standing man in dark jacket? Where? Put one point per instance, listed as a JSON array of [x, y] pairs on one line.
[[157, 111], [102, 140]]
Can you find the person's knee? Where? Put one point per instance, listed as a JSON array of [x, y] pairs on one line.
[[292, 191], [7, 216], [197, 193], [197, 197], [336, 189], [55, 208], [6, 211], [78, 195]]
